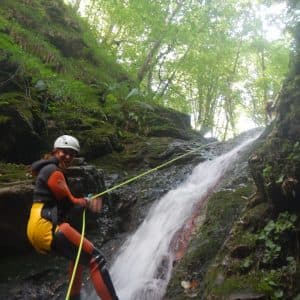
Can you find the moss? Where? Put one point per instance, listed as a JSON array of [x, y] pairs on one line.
[[138, 153], [84, 87], [273, 278], [248, 282], [98, 141], [222, 210], [27, 37], [22, 104], [4, 119], [10, 172], [278, 161], [268, 284], [20, 133]]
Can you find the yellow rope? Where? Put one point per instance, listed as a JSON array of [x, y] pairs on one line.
[[149, 171], [77, 257], [116, 187]]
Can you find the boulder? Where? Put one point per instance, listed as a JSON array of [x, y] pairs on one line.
[[15, 204], [21, 128]]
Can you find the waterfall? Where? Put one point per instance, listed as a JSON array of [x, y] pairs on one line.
[[143, 265]]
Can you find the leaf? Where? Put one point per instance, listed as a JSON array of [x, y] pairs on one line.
[[272, 283], [133, 92], [278, 294], [280, 179]]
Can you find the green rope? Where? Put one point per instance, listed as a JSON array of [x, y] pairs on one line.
[[116, 187]]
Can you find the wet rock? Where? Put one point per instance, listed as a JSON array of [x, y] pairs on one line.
[[8, 69], [15, 204], [247, 296], [255, 200], [21, 129], [240, 251], [219, 279]]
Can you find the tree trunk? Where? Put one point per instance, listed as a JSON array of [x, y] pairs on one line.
[[77, 5], [265, 91], [228, 102], [156, 45]]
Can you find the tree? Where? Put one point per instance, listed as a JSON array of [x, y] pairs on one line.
[[207, 58]]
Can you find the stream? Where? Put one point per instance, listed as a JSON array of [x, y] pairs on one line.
[[142, 266]]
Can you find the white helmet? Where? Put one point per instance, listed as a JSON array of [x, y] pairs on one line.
[[67, 141]]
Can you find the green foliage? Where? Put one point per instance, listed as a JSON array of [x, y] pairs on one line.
[[267, 172], [273, 234], [295, 154], [270, 284], [12, 172], [4, 119], [210, 72], [39, 39], [272, 281], [248, 261], [194, 57]]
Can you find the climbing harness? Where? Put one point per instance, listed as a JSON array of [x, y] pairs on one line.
[[114, 188]]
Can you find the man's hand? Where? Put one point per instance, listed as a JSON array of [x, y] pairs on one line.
[[95, 205]]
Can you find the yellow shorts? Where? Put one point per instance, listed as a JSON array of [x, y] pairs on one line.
[[39, 230]]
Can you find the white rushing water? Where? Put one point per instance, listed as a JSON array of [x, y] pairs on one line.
[[142, 267]]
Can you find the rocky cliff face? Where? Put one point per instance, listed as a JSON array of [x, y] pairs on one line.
[[15, 204]]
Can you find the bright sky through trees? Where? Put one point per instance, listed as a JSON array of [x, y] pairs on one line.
[[219, 61], [272, 21]]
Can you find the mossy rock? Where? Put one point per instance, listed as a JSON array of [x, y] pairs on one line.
[[138, 153], [21, 128], [249, 285], [99, 141], [167, 131], [262, 284], [276, 171], [11, 172], [164, 122], [152, 120], [70, 47], [246, 264], [222, 210]]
